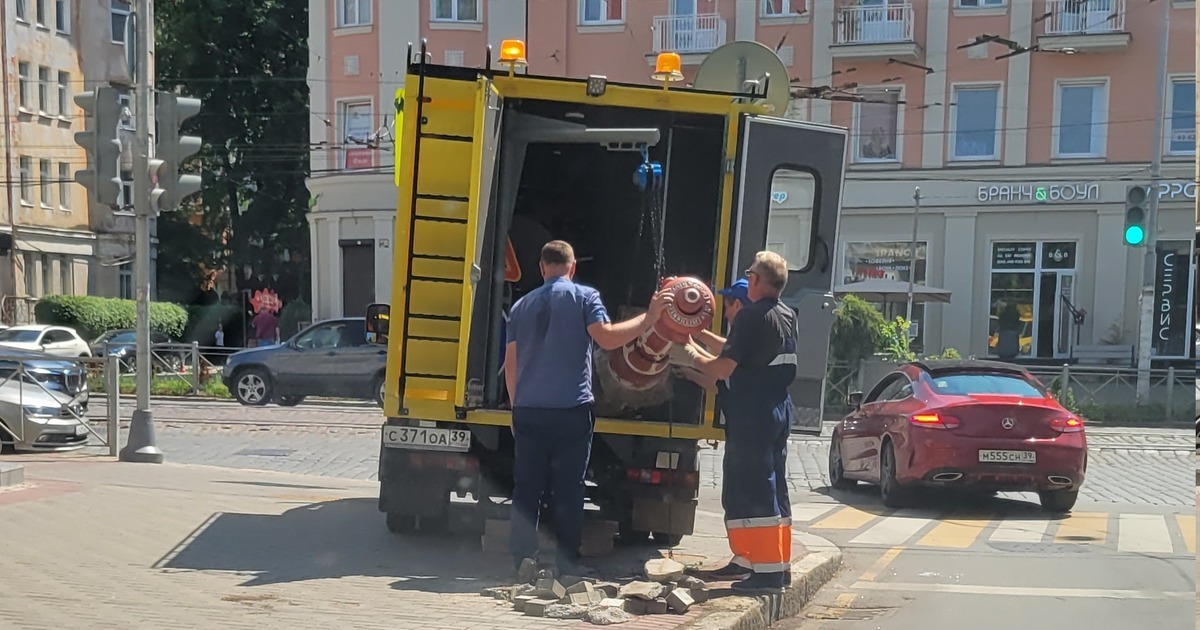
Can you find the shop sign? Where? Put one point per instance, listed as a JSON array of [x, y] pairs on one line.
[[1013, 255], [1176, 190], [1038, 193], [779, 196], [357, 125], [882, 261], [1172, 279]]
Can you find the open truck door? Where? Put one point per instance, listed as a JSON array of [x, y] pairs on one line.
[[788, 195]]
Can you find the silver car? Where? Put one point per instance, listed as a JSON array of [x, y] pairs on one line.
[[36, 418]]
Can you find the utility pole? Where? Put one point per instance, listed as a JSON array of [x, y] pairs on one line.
[[1146, 301], [141, 445], [912, 259]]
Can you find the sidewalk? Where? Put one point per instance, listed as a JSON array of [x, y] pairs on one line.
[[93, 543]]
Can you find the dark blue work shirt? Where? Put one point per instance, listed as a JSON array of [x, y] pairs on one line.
[[554, 349]]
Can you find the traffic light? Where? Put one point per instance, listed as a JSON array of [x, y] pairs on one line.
[[103, 176], [1135, 215], [170, 187]]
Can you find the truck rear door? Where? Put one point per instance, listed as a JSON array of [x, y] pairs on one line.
[[787, 198], [451, 135]]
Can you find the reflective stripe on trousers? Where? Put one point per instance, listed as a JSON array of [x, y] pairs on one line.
[[762, 544]]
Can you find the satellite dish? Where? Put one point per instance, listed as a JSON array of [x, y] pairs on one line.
[[728, 68]]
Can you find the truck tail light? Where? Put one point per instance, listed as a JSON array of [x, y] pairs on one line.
[[655, 477]]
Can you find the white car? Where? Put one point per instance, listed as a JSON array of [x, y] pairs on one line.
[[55, 340]]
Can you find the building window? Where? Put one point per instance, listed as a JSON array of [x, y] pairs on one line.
[[1082, 120], [601, 11], [47, 190], [66, 276], [47, 275], [64, 94], [889, 260], [22, 13], [456, 10], [1032, 294], [356, 126], [119, 15], [125, 202], [43, 89], [39, 8], [779, 8], [30, 274], [975, 4], [125, 281], [877, 126], [23, 85], [1181, 138], [62, 16], [976, 122], [26, 180], [353, 13], [64, 185]]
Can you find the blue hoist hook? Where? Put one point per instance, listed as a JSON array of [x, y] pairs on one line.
[[649, 175]]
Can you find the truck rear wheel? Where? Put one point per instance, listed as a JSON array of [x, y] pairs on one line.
[[398, 523]]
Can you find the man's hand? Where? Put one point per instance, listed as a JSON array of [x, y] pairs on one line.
[[700, 378], [683, 354], [658, 304]]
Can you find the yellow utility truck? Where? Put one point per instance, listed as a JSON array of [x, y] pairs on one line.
[[646, 182]]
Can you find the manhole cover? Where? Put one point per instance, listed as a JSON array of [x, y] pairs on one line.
[[266, 452]]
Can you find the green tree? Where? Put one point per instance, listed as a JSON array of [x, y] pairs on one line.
[[857, 331], [248, 63], [896, 344]]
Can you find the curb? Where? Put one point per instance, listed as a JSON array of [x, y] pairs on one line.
[[808, 576], [11, 475]]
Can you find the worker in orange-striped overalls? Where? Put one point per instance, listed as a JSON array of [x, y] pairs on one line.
[[756, 365]]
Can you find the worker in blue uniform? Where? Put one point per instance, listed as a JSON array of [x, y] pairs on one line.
[[548, 373], [754, 369]]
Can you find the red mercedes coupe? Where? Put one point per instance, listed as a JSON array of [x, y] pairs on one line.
[[978, 425]]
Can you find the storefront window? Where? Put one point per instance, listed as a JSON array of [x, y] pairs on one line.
[[889, 260], [1032, 299]]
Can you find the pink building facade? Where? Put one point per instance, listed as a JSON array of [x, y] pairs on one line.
[[1023, 160]]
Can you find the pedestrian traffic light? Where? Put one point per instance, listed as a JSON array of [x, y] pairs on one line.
[[1135, 215], [102, 177], [170, 187]]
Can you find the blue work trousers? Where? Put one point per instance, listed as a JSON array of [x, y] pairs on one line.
[[754, 491], [552, 451]]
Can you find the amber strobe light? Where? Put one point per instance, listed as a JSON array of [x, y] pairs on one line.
[[512, 54], [666, 68]]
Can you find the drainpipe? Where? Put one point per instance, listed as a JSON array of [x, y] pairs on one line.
[[8, 178]]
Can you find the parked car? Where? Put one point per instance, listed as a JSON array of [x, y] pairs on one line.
[[122, 344], [42, 411], [331, 359], [57, 340], [1198, 415], [978, 425], [53, 373]]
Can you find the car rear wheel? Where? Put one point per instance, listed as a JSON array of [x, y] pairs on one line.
[[379, 386], [893, 494], [252, 387], [837, 473], [1058, 500]]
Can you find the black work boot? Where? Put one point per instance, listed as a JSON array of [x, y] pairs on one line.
[[760, 584], [729, 571]]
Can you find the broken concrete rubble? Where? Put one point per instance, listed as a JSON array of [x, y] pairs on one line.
[[602, 616], [566, 611], [663, 570], [641, 590]]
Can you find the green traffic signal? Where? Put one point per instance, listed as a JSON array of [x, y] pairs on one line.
[[1134, 235]]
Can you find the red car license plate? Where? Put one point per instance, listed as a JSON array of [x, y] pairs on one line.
[[1007, 457]]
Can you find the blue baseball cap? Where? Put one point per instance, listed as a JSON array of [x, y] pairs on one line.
[[739, 290]]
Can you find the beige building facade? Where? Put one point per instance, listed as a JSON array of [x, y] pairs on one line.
[[1023, 157], [57, 239]]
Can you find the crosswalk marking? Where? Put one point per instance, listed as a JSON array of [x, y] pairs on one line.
[[1082, 527], [846, 518], [1020, 531], [805, 512], [1143, 533], [893, 530], [954, 533], [1187, 527]]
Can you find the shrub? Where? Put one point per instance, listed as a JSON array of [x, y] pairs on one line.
[[896, 344], [857, 331], [91, 316]]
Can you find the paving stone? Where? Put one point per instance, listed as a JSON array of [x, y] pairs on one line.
[[520, 601], [656, 606], [680, 600], [549, 588], [537, 607]]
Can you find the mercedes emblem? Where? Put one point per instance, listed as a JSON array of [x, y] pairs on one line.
[[1008, 423]]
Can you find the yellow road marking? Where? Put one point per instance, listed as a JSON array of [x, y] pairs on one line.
[[880, 565], [1082, 528], [845, 518], [1187, 527], [954, 533]]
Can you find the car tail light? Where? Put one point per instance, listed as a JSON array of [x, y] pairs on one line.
[[934, 421], [1067, 424], [654, 477]]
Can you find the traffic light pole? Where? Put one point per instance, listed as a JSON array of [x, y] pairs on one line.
[[142, 445], [1146, 302]]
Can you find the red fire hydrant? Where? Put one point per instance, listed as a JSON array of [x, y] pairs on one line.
[[641, 362]]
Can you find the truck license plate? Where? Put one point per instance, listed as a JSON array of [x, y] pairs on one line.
[[427, 439], [1008, 457]]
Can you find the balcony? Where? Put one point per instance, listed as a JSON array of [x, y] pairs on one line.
[[1092, 26], [879, 31], [692, 36]]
